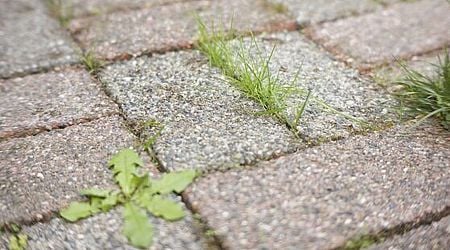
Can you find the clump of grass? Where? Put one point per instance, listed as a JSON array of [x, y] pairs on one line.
[[91, 62], [427, 96], [252, 75], [61, 9]]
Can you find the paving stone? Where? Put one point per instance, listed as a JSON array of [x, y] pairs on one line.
[[207, 123], [97, 7], [315, 11], [30, 40], [323, 196], [435, 236], [339, 86], [40, 174], [403, 30], [41, 102], [104, 231], [169, 27]]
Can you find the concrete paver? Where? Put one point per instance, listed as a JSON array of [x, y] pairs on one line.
[[339, 86], [170, 27], [323, 196], [315, 11], [81, 8], [435, 236], [402, 30], [40, 174], [30, 40], [45, 101], [207, 123], [104, 231]]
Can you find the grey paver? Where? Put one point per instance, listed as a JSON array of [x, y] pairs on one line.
[[339, 86], [314, 11], [403, 30], [50, 100], [97, 7], [207, 123], [30, 40], [323, 196], [435, 236], [104, 231], [169, 27], [40, 174]]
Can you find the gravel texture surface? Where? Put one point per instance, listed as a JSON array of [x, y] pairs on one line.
[[42, 173], [321, 197], [104, 231], [41, 102], [432, 237], [170, 27], [403, 30], [339, 86], [207, 123], [81, 8], [314, 11], [30, 40]]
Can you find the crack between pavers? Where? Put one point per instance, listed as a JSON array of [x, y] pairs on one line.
[[34, 131], [40, 70], [400, 229]]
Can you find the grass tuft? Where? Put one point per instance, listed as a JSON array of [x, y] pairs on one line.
[[91, 62], [61, 9], [252, 75], [427, 96]]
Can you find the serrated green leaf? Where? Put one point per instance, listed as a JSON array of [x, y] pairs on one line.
[[95, 192], [164, 208], [18, 242], [96, 203], [137, 227], [76, 211], [174, 182], [124, 166], [109, 202]]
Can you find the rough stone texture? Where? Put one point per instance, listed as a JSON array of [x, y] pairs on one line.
[[30, 40], [315, 11], [207, 123], [403, 30], [50, 100], [169, 27], [104, 231], [42, 173], [321, 197], [97, 7], [340, 87], [435, 236]]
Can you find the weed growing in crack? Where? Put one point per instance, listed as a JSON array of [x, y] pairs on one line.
[[18, 240], [427, 96], [62, 10], [91, 62], [138, 194], [252, 75]]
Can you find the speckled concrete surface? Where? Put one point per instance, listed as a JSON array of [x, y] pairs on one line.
[[98, 7], [42, 102], [314, 11], [207, 123], [432, 237], [322, 196], [42, 173], [174, 26], [339, 86], [30, 40], [104, 231], [402, 30]]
